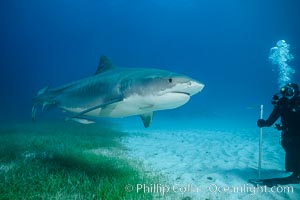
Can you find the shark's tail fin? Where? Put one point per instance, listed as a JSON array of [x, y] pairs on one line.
[[43, 97]]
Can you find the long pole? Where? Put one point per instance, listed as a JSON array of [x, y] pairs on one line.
[[260, 142]]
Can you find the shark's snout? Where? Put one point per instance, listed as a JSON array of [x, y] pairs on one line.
[[194, 87], [184, 85]]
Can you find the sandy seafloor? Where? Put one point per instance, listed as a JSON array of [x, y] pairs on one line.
[[205, 160], [209, 162]]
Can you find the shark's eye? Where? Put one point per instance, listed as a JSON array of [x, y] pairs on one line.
[[170, 80]]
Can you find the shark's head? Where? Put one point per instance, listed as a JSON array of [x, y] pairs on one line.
[[179, 84], [163, 89]]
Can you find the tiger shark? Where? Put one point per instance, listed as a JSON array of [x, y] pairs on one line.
[[119, 92]]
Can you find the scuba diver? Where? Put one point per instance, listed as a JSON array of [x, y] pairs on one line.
[[286, 106]]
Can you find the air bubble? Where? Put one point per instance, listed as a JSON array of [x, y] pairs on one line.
[[280, 55]]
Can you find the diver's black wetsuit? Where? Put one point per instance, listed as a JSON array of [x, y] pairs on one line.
[[290, 119]]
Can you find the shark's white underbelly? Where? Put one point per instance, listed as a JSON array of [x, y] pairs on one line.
[[137, 105]]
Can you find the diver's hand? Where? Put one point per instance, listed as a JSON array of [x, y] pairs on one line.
[[261, 123]]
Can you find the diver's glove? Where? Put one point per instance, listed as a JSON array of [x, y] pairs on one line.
[[261, 123]]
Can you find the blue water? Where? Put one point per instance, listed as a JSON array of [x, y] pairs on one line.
[[224, 44]]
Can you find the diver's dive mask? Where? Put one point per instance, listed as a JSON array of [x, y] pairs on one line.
[[288, 91]]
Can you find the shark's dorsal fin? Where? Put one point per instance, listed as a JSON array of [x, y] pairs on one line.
[[147, 119], [104, 65]]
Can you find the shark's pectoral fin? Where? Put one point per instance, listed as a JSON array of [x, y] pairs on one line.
[[116, 100], [147, 119]]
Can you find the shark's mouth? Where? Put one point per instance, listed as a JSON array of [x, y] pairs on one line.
[[186, 93]]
